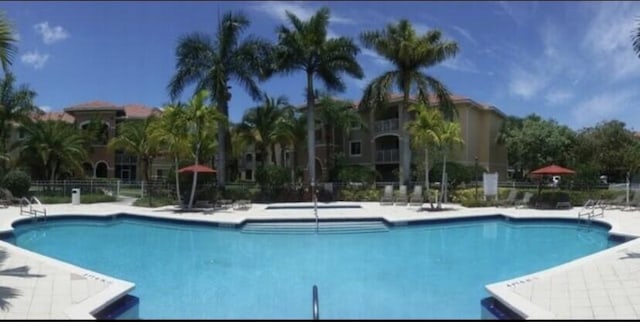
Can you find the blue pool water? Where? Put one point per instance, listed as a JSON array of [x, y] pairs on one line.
[[425, 271]]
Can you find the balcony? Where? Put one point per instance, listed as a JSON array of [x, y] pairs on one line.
[[389, 125], [391, 155]]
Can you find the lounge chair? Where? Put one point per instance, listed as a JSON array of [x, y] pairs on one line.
[[7, 199], [242, 204], [524, 201], [387, 195], [510, 200], [417, 198], [619, 202], [402, 197]]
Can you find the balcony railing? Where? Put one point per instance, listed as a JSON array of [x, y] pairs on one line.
[[391, 155], [386, 125]]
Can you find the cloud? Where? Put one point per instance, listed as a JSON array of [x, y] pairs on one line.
[[16, 36], [375, 58], [461, 64], [608, 39], [421, 28], [607, 105], [277, 10], [34, 59], [50, 35], [557, 97], [45, 108], [465, 34], [526, 83]]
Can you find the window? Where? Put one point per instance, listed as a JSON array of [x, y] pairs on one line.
[[355, 125], [318, 135], [248, 174], [249, 157], [355, 148], [159, 173]]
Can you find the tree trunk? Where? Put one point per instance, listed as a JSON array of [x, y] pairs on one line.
[[175, 158], [426, 175], [405, 149], [222, 155], [311, 137], [195, 178], [443, 184]]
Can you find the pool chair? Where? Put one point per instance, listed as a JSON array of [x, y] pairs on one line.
[[634, 203], [387, 195], [402, 197], [7, 199], [619, 202], [242, 204], [511, 199], [524, 202], [417, 198]]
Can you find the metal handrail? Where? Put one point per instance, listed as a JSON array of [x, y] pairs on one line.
[[315, 207], [316, 306], [32, 211]]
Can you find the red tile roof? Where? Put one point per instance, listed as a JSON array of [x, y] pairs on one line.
[[56, 116], [139, 111], [92, 106]]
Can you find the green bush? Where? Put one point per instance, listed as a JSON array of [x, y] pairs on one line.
[[18, 182], [47, 198], [155, 202], [357, 173]]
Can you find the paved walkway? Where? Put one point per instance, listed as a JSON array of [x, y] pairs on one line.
[[606, 284]]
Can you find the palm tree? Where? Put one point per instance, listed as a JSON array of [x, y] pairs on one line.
[[636, 38], [52, 147], [7, 40], [306, 48], [170, 130], [449, 135], [259, 126], [423, 130], [211, 63], [290, 131], [202, 120], [335, 115], [409, 53], [134, 138], [16, 107]]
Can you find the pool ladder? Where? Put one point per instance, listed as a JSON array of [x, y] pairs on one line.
[[315, 305], [31, 210]]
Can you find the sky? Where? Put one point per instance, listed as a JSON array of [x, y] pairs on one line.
[[572, 62]]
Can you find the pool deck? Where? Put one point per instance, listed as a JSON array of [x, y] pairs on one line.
[[598, 286]]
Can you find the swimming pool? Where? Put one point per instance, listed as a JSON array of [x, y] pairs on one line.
[[425, 271]]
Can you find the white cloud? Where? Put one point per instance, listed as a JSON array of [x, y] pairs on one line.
[[277, 10], [34, 59], [16, 36], [45, 108], [465, 34], [557, 97], [374, 57], [421, 28], [461, 64], [608, 39], [607, 105], [50, 35], [526, 83]]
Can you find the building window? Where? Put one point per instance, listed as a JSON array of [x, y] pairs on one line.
[[248, 174], [248, 157], [318, 135], [355, 125], [355, 148], [159, 173]]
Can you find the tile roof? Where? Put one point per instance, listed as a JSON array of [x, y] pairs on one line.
[[93, 105], [139, 111], [59, 115]]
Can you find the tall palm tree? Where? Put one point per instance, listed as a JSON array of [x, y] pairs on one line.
[[135, 138], [305, 47], [636, 38], [336, 116], [202, 121], [51, 148], [259, 126], [7, 40], [409, 53], [449, 135], [211, 63], [16, 107], [170, 130], [291, 131], [423, 131]]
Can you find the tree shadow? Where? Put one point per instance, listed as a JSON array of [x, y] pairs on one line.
[[630, 255], [7, 293]]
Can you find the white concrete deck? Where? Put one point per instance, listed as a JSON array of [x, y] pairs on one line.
[[601, 285]]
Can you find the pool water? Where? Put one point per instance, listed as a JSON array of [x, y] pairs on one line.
[[426, 271]]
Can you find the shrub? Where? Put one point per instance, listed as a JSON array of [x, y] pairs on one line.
[[18, 182]]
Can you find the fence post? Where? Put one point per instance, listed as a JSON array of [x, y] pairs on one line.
[[118, 189]]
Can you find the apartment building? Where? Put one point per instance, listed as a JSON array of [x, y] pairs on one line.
[[104, 163], [377, 144]]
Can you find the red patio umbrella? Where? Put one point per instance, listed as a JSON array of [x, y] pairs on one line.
[[552, 170], [197, 168]]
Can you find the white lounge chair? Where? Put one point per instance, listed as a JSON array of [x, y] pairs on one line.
[[402, 197], [417, 198], [387, 195]]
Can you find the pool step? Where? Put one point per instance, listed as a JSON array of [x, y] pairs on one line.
[[324, 227]]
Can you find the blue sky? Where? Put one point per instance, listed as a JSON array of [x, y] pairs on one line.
[[569, 61]]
